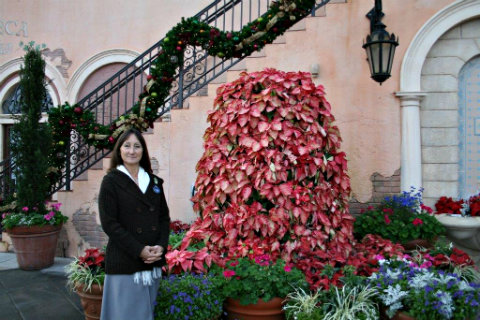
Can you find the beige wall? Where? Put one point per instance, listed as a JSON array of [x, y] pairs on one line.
[[368, 114]]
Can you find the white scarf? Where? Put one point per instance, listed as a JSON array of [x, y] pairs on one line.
[[147, 277], [143, 177]]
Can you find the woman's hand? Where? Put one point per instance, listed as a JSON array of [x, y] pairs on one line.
[[151, 254]]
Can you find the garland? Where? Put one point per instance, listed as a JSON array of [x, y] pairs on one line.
[[236, 44]]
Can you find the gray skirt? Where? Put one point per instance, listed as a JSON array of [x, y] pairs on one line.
[[123, 299]]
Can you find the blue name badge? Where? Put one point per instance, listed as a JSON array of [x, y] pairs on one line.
[[156, 189]]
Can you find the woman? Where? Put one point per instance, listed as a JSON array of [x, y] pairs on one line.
[[134, 215]]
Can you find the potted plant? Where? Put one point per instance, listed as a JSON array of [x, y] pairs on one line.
[[189, 296], [272, 179], [461, 218], [418, 290], [86, 275], [352, 299], [257, 285], [401, 218], [32, 225]]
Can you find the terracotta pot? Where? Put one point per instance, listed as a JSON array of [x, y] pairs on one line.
[[402, 316], [91, 300], [35, 246], [271, 310], [413, 244]]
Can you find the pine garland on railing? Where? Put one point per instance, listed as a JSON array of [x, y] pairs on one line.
[[235, 44]]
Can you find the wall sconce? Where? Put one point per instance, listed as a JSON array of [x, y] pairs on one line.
[[380, 46]]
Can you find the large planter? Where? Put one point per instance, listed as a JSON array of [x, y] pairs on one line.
[[402, 316], [35, 246], [464, 232], [91, 300], [271, 310]]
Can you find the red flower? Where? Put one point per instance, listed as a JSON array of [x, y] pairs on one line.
[[417, 221], [459, 257], [440, 259], [93, 258], [228, 273], [387, 219], [426, 208], [448, 205], [263, 260], [388, 210]]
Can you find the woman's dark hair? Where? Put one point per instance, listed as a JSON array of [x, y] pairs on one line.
[[117, 160]]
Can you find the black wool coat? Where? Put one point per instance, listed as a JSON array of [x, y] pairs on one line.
[[132, 220]]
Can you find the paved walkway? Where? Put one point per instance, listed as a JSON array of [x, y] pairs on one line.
[[36, 295]]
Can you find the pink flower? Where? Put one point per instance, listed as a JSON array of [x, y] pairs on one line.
[[25, 209], [234, 263], [379, 257], [56, 206], [228, 273], [49, 216], [287, 268], [387, 219], [417, 221]]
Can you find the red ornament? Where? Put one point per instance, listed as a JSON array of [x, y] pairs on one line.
[[179, 48], [255, 46], [78, 110], [229, 35], [73, 125], [275, 29], [61, 122], [111, 140], [149, 77]]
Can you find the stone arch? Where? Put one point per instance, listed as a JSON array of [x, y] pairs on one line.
[[411, 91], [94, 63], [9, 78]]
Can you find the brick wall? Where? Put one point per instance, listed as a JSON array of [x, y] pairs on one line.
[[382, 187]]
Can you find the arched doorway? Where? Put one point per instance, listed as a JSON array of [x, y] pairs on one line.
[[469, 128]]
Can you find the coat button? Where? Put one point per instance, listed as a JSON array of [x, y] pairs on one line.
[[152, 209], [154, 228], [139, 230]]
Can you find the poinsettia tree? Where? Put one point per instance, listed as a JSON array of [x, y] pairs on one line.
[[272, 178]]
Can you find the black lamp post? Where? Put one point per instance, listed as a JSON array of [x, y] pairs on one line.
[[380, 46]]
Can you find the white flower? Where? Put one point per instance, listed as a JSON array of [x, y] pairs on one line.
[[446, 301], [393, 299], [421, 279]]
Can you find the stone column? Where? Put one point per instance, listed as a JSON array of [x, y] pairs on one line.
[[411, 156]]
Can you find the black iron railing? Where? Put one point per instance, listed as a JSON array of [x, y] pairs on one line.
[[117, 95]]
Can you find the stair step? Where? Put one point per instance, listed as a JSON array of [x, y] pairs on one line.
[[279, 39], [258, 54], [220, 79], [321, 12], [299, 26], [241, 66]]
